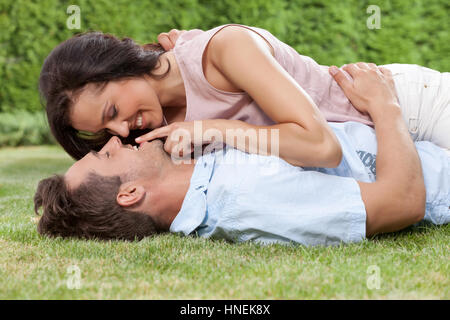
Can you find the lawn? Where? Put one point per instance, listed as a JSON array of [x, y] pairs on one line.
[[412, 264]]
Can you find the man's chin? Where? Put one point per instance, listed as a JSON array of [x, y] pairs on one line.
[[153, 143]]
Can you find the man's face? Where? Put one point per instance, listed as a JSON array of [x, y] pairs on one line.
[[118, 159]]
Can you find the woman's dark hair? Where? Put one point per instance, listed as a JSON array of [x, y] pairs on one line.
[[89, 212], [92, 57]]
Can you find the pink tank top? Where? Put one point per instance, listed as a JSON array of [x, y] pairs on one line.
[[203, 101]]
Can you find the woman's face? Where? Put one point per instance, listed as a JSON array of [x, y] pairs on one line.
[[121, 106]]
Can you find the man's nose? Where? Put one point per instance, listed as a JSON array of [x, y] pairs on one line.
[[113, 144], [120, 128]]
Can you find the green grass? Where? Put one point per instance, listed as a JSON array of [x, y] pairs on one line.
[[413, 264]]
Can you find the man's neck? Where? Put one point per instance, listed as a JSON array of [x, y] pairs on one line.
[[172, 190]]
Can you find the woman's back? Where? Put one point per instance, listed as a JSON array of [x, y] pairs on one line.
[[203, 101]]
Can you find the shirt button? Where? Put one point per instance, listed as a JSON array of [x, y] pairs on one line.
[[204, 165], [199, 187]]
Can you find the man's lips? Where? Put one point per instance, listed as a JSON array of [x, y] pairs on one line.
[[142, 144], [162, 140]]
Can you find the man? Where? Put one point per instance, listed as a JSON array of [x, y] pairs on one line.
[[125, 193]]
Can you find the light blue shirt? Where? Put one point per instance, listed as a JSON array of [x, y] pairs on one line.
[[238, 196]]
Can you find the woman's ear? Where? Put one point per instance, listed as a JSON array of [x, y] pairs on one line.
[[130, 193]]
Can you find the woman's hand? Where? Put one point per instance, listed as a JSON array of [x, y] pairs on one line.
[[372, 87], [180, 138], [168, 40]]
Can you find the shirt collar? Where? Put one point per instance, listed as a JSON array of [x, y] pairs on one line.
[[193, 209]]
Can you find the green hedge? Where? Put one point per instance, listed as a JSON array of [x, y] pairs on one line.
[[24, 128], [332, 32]]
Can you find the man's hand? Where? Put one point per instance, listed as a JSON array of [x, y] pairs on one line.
[[168, 40], [397, 198], [372, 87]]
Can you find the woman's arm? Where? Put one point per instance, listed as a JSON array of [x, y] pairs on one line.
[[305, 139], [303, 135]]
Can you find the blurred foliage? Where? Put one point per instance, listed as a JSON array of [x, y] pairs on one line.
[[331, 32], [23, 128]]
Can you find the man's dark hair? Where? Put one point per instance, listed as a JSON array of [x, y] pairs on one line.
[[90, 211]]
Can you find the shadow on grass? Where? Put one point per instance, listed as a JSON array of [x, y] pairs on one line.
[[420, 229]]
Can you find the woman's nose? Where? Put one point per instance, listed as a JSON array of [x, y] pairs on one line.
[[120, 128]]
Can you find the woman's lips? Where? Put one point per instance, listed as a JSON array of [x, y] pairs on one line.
[[139, 122], [143, 122]]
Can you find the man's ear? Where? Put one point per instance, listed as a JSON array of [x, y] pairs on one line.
[[130, 193]]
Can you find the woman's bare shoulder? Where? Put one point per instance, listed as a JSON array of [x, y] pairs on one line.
[[231, 33]]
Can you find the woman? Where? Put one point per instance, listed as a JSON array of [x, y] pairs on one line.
[[231, 77]]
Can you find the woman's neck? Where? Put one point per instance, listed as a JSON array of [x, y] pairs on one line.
[[170, 89]]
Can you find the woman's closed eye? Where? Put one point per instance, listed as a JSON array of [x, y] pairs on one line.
[[112, 112]]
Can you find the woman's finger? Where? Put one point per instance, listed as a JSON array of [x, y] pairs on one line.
[[156, 133], [372, 65]]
